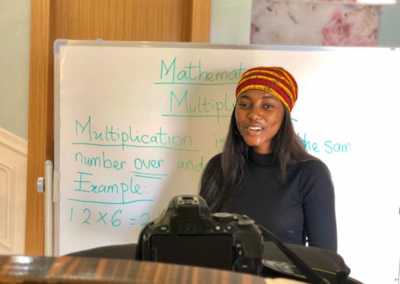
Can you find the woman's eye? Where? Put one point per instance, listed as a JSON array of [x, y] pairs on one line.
[[269, 106], [243, 105]]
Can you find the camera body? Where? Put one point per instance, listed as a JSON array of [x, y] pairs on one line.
[[188, 234]]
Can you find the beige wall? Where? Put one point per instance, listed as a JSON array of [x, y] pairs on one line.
[[389, 26], [14, 66], [14, 93], [230, 21]]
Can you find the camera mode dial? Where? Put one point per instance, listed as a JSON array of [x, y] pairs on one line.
[[222, 216]]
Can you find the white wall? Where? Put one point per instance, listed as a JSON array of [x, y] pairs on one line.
[[14, 66]]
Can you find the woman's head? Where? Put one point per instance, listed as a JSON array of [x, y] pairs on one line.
[[261, 119], [264, 95], [274, 80]]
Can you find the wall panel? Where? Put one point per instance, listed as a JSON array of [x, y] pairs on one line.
[[13, 163], [39, 140], [151, 20]]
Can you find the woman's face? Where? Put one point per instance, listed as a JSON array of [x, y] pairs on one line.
[[259, 116]]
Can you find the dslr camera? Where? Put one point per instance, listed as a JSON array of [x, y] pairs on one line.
[[188, 234]]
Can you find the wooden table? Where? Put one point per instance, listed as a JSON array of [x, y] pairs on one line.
[[28, 269]]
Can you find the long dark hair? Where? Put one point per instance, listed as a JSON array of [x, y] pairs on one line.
[[224, 173]]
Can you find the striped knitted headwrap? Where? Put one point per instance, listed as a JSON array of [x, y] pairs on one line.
[[274, 80]]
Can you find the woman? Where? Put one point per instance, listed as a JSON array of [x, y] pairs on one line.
[[264, 171]]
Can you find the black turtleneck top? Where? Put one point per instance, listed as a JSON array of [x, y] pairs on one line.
[[297, 210]]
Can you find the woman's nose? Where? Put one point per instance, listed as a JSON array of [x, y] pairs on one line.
[[254, 114]]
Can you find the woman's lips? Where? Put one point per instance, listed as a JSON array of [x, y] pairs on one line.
[[254, 130]]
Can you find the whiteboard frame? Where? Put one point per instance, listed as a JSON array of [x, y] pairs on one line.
[[100, 43]]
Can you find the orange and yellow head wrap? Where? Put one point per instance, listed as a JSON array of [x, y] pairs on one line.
[[274, 80]]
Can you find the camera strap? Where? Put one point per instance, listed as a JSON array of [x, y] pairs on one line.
[[311, 276]]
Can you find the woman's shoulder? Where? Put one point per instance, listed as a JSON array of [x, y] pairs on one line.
[[313, 166], [313, 176]]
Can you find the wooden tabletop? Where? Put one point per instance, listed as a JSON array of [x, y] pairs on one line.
[[28, 269]]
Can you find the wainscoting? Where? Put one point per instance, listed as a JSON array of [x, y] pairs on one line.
[[13, 176]]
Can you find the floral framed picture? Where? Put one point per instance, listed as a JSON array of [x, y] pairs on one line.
[[313, 23]]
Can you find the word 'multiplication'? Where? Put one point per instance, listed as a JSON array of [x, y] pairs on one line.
[[112, 136]]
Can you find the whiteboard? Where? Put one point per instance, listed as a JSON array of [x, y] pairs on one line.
[[136, 123]]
